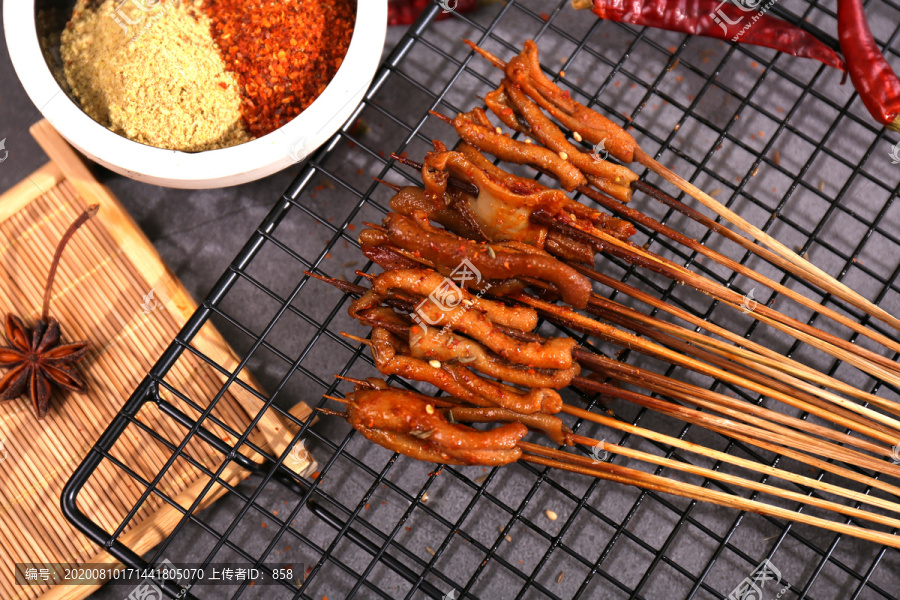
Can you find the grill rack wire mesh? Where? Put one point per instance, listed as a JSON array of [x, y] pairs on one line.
[[369, 524]]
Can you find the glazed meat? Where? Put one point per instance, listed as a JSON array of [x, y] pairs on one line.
[[493, 262], [447, 347], [485, 137], [409, 423], [392, 357]]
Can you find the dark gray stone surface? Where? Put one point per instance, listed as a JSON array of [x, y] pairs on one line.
[[199, 232]]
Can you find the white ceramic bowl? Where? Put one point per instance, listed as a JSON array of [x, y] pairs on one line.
[[213, 168]]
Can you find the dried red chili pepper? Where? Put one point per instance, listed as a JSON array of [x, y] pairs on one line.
[[718, 19], [405, 12], [870, 72], [282, 54]]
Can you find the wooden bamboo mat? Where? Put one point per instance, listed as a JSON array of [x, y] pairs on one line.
[[102, 295]]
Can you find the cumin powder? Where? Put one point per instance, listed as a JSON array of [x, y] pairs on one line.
[[154, 76]]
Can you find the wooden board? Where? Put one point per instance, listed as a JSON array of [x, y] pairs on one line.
[[101, 295]]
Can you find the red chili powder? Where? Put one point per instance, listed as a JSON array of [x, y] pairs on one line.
[[283, 52]]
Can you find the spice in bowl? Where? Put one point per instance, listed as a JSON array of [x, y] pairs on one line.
[[196, 75], [283, 53]]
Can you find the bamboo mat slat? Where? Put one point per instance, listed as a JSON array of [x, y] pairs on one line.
[[101, 295]]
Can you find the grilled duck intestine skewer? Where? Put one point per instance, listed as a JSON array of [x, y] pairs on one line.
[[864, 359], [488, 140], [433, 248], [524, 71], [390, 359], [482, 414], [870, 362], [427, 429], [553, 428], [783, 388], [496, 205], [744, 350]]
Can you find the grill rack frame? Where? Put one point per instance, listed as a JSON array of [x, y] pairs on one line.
[[350, 525]]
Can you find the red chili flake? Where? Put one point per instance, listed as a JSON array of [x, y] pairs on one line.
[[264, 525], [280, 71]]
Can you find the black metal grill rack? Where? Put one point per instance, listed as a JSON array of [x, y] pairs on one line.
[[778, 137]]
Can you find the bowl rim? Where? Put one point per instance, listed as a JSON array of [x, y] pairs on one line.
[[211, 168]]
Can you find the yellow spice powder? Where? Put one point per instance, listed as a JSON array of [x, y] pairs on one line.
[[152, 74]]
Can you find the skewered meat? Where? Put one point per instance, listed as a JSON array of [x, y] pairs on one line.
[[477, 318], [551, 426], [486, 138], [465, 307], [408, 423], [454, 216], [445, 347], [525, 71], [501, 212], [458, 214], [494, 262], [391, 356], [613, 179]]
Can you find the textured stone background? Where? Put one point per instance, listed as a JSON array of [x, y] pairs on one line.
[[199, 232]]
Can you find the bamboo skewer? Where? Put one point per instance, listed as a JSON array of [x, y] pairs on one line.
[[750, 349], [805, 393], [796, 264], [726, 427], [814, 274], [743, 462], [862, 358], [633, 342], [752, 427], [836, 414], [735, 266], [661, 484], [567, 461], [723, 403], [724, 478], [874, 364]]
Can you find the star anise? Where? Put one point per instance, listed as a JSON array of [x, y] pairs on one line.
[[35, 358]]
